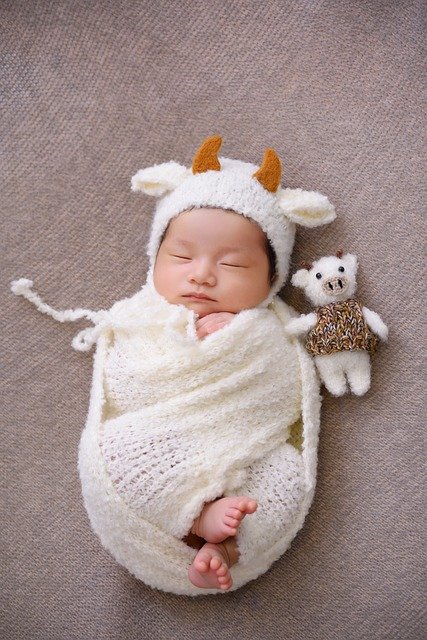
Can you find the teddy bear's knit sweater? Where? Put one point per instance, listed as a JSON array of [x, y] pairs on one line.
[[340, 327], [174, 422]]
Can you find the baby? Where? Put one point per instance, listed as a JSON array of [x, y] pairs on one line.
[[216, 263], [196, 385]]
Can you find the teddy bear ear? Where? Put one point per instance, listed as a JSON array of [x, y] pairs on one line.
[[300, 278], [307, 208], [350, 260], [157, 180]]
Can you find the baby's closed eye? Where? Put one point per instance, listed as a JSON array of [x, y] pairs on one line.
[[173, 255], [229, 264]]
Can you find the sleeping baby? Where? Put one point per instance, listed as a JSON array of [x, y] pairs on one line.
[[189, 472], [216, 263]]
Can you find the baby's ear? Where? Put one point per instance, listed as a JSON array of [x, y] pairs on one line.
[[157, 180], [307, 208], [300, 278]]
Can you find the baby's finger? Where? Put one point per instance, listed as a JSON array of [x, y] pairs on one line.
[[209, 327], [201, 322], [202, 331], [214, 327], [210, 317]]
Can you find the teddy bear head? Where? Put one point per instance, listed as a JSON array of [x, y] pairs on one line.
[[329, 279]]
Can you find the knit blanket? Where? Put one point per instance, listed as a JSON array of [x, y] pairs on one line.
[[174, 421], [190, 416]]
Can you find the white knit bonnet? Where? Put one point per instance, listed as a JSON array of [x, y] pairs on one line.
[[243, 187]]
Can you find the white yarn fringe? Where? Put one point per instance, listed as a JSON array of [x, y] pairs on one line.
[[85, 339]]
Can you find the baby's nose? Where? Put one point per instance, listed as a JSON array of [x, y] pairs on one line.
[[202, 273]]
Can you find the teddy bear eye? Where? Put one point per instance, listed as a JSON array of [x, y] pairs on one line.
[[341, 269], [318, 276]]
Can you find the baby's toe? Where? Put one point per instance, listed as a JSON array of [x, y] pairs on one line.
[[222, 571], [247, 506], [252, 506], [202, 562], [229, 531], [233, 512], [215, 563], [223, 576], [232, 522], [225, 585]]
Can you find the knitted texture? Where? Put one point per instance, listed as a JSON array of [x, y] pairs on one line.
[[186, 421], [270, 172], [191, 415], [206, 157], [276, 480], [242, 187], [142, 526], [234, 188], [340, 327]]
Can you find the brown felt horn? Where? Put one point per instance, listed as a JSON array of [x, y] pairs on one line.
[[306, 265], [206, 157], [339, 254], [269, 173]]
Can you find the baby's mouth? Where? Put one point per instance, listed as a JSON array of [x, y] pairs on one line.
[[198, 296]]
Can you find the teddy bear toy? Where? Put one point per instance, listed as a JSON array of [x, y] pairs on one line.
[[341, 333]]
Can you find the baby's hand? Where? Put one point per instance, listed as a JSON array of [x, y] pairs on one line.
[[212, 322]]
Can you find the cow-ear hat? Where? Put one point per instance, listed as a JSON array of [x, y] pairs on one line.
[[254, 192]]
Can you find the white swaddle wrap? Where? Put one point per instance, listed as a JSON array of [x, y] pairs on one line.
[[175, 421], [191, 415]]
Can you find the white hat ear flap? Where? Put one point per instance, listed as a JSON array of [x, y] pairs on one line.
[[300, 278], [157, 180], [307, 208]]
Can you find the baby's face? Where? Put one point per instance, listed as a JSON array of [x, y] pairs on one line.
[[212, 260]]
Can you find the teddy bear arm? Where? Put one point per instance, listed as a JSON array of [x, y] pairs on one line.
[[375, 323], [301, 325]]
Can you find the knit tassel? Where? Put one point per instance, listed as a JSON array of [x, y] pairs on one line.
[[84, 340]]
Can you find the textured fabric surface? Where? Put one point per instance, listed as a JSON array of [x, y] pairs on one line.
[[340, 327], [233, 187], [95, 90], [178, 435]]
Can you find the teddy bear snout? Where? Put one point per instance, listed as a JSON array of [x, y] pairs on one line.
[[335, 286]]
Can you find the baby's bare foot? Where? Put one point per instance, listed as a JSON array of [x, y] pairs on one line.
[[210, 569], [221, 518]]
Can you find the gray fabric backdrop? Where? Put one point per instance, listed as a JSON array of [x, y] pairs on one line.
[[95, 90]]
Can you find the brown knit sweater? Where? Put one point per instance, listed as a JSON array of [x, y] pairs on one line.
[[340, 327]]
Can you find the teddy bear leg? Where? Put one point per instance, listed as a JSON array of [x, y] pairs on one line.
[[359, 372], [331, 373]]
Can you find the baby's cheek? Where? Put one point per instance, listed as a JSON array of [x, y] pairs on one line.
[[165, 282]]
